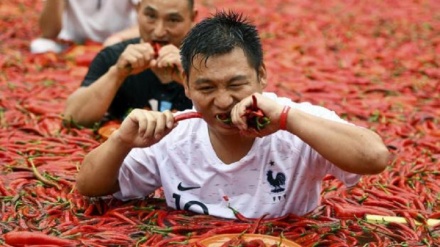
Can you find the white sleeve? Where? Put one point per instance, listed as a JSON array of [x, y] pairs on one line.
[[138, 175]]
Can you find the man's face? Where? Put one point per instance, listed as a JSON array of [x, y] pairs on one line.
[[165, 21], [217, 84]]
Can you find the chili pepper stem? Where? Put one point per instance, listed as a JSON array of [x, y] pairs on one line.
[[40, 177]]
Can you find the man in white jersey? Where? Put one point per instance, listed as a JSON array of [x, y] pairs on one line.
[[103, 21], [219, 160]]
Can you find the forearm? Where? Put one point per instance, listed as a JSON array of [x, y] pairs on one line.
[[88, 105], [352, 148], [98, 174], [50, 20]]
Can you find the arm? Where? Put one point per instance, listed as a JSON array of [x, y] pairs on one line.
[[99, 171], [129, 33], [88, 105], [51, 18], [351, 148], [98, 175]]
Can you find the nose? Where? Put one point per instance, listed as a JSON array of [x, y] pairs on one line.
[[224, 100], [159, 30]]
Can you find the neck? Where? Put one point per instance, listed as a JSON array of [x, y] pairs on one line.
[[230, 148]]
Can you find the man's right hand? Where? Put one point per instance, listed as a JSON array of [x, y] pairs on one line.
[[143, 128], [135, 59]]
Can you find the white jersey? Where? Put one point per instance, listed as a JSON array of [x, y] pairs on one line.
[[281, 174], [96, 19]]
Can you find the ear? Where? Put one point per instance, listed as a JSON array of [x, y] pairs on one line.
[[186, 85], [262, 76], [195, 14]]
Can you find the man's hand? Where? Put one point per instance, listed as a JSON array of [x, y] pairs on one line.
[[167, 66], [135, 59], [268, 107], [143, 128]]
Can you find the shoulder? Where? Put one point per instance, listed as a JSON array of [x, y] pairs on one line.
[[118, 48], [278, 99], [307, 107]]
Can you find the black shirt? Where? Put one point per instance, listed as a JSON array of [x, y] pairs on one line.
[[138, 90]]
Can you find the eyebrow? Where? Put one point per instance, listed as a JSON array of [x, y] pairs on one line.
[[172, 14], [149, 8], [235, 78]]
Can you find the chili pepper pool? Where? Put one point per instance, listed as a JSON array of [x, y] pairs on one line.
[[377, 63]]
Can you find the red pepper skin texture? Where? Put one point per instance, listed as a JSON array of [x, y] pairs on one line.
[[24, 238]]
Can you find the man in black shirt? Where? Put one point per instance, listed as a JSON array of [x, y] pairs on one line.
[[138, 73]]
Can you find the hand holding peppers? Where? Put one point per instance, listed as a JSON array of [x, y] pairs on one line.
[[167, 65], [143, 128], [257, 114], [135, 59], [163, 60]]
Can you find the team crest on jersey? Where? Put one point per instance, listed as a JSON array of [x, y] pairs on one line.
[[277, 181]]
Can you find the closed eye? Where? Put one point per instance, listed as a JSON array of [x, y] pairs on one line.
[[206, 88], [236, 85], [150, 16], [175, 19]]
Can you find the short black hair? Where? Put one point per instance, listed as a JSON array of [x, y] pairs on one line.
[[220, 34]]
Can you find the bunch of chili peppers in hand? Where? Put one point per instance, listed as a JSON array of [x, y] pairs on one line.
[[255, 117]]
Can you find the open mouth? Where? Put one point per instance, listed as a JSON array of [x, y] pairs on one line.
[[224, 118], [160, 42]]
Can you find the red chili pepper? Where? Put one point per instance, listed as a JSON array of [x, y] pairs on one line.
[[3, 190], [161, 214], [310, 237], [239, 216], [257, 224], [156, 47], [171, 241], [123, 217], [187, 115], [255, 117], [23, 238], [233, 228], [156, 238]]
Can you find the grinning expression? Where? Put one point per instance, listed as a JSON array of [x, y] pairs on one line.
[[165, 21], [217, 84]]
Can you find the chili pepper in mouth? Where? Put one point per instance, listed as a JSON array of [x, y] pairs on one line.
[[255, 117], [224, 118], [156, 47]]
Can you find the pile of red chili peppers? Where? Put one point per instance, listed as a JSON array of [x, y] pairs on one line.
[[375, 63]]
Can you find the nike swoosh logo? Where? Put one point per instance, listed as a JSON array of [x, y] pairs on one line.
[[182, 188]]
